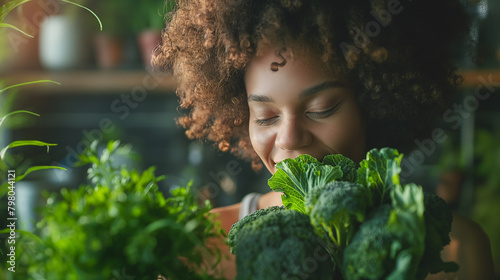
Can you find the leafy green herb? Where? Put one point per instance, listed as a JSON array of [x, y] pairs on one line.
[[122, 223]]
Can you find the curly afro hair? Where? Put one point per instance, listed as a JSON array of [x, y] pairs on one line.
[[398, 54]]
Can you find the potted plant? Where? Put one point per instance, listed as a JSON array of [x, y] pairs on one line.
[[130, 28], [147, 22], [109, 45]]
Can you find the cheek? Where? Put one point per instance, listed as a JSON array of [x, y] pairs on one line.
[[346, 136], [334, 136], [354, 141], [262, 140]]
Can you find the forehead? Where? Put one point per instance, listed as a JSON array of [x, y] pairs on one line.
[[269, 54], [274, 68]]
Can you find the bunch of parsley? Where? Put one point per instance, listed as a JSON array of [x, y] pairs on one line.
[[121, 226], [371, 226]]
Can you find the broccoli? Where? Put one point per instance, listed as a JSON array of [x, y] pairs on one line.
[[370, 225], [276, 243], [336, 209], [390, 243], [368, 255]]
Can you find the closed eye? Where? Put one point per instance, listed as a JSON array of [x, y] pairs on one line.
[[323, 114], [267, 122]]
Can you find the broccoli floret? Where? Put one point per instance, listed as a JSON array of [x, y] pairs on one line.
[[240, 227], [368, 254], [337, 209], [390, 243], [438, 220], [276, 243]]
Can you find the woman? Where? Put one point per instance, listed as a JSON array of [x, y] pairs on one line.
[[270, 79]]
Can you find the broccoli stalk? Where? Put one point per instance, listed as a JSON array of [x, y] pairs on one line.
[[336, 209]]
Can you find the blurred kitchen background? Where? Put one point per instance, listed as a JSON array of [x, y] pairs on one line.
[[107, 91]]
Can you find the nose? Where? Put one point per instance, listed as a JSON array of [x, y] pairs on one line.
[[293, 134]]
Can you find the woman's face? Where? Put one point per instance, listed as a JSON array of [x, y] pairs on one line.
[[300, 109]]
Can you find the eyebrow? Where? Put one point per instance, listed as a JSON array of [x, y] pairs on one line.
[[303, 94], [259, 98], [317, 88]]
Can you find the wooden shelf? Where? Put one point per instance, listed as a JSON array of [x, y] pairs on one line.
[[477, 77], [101, 82], [93, 82]]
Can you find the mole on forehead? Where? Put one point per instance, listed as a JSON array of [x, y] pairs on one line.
[[275, 58]]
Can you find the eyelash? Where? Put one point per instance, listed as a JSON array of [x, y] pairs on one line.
[[266, 122], [322, 114]]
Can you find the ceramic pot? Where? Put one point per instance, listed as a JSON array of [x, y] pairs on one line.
[[108, 51], [148, 40], [63, 43]]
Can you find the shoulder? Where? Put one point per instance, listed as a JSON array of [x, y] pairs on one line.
[[470, 237], [465, 228], [470, 248]]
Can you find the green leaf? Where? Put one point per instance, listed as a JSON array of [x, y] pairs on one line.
[[295, 177], [322, 174], [380, 172], [24, 143], [410, 198], [9, 6], [17, 112], [28, 83], [348, 167], [83, 7], [291, 179], [6, 25], [23, 232], [36, 168], [406, 223]]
